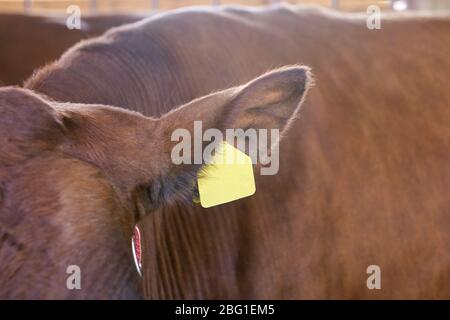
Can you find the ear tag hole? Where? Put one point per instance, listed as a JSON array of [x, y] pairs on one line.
[[229, 177]]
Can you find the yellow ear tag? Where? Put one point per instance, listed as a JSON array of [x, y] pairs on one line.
[[229, 177]]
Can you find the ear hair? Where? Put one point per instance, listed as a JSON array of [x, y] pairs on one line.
[[272, 99], [28, 123]]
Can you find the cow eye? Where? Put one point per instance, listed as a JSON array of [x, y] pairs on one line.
[[180, 188]]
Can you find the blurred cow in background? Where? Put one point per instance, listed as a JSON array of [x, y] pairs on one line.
[[31, 41]]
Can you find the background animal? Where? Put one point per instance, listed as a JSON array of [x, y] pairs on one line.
[[363, 170], [31, 41]]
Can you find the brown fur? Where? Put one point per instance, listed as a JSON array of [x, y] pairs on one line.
[[65, 175], [31, 41], [363, 172]]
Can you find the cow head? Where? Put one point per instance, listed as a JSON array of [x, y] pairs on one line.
[[128, 154]]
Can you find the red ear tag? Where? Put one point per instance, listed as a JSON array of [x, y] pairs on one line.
[[137, 249]]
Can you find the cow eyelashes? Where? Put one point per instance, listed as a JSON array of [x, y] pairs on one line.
[[155, 193], [179, 186], [196, 194]]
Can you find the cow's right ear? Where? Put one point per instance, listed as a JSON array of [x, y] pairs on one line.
[[28, 123]]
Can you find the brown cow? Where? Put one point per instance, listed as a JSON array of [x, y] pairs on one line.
[[65, 203], [363, 172], [31, 41]]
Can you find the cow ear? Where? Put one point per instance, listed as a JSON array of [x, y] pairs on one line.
[[270, 101], [28, 123]]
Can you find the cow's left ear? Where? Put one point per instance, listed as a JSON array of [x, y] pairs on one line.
[[270, 101]]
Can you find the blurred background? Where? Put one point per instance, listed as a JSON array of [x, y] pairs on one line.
[[108, 6], [35, 32]]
